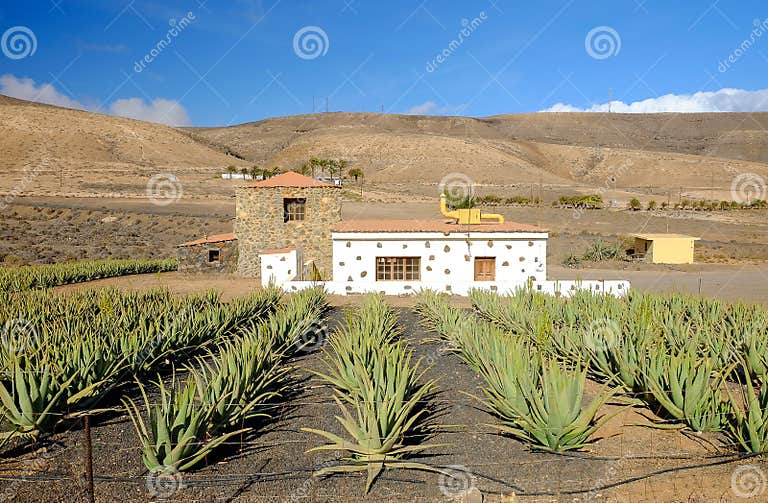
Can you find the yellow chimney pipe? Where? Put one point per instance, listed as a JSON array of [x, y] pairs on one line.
[[467, 216]]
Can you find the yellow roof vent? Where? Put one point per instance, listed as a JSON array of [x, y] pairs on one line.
[[468, 216]]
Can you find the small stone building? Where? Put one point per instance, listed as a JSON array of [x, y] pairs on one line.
[[287, 211], [216, 253]]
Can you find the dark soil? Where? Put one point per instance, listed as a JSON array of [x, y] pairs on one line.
[[272, 465]]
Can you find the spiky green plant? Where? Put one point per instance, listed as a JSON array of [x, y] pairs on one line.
[[31, 400], [545, 408], [358, 342], [380, 392], [179, 434], [687, 388], [46, 276], [748, 427], [386, 410], [241, 381]]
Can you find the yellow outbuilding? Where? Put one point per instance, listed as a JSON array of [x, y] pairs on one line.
[[665, 248]]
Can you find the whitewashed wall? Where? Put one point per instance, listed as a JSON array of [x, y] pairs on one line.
[[617, 288], [445, 259], [279, 268]]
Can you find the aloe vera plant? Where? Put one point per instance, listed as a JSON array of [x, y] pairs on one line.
[[46, 276], [31, 400], [748, 427], [179, 434], [687, 388], [380, 393], [239, 382], [545, 409], [385, 410]]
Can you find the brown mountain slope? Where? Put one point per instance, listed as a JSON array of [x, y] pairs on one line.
[[663, 150], [48, 150]]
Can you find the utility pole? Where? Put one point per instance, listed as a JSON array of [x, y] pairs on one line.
[[326, 104], [313, 104], [610, 99]]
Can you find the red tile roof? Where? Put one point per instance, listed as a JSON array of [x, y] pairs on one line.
[[217, 238], [290, 179], [429, 226], [279, 250]]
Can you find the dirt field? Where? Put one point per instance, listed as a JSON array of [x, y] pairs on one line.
[[631, 463], [53, 229]]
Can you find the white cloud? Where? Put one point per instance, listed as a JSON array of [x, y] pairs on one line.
[[431, 108], [423, 109], [162, 111], [724, 100], [26, 89]]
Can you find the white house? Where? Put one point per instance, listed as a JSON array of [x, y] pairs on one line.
[[456, 254]]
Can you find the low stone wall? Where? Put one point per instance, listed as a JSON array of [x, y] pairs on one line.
[[195, 258]]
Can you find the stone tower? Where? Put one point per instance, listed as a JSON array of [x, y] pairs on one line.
[[286, 211]]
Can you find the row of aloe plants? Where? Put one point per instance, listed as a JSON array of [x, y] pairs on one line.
[[382, 394], [229, 391], [538, 399], [64, 355], [681, 356], [18, 279]]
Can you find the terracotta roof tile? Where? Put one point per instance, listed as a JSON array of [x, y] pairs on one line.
[[429, 226], [278, 250], [217, 238], [290, 179]]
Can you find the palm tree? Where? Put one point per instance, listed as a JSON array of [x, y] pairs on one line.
[[357, 174], [256, 172], [231, 170], [315, 163]]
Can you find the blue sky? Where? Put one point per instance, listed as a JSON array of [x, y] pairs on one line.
[[235, 61]]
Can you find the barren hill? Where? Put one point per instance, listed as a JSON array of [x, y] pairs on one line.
[[691, 150], [48, 150]]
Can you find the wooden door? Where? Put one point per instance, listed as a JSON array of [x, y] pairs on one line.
[[485, 269]]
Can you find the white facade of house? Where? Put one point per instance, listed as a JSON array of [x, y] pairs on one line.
[[280, 267], [447, 261], [447, 264]]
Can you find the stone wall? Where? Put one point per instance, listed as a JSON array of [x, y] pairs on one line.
[[260, 225], [195, 258]]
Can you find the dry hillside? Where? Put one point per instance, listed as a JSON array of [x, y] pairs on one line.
[[75, 153], [586, 150], [49, 150]]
